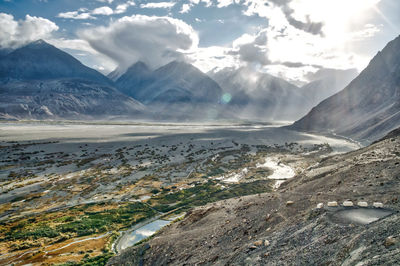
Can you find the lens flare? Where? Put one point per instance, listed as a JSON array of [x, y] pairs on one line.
[[226, 98]]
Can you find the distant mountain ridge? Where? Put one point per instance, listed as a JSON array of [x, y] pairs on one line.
[[40, 60], [172, 83], [175, 91], [369, 107], [260, 95], [39, 81]]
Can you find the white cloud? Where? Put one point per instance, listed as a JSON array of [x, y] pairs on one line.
[[325, 33], [224, 3], [154, 40], [16, 33], [106, 1], [84, 13], [213, 58], [207, 3], [104, 10], [158, 5], [185, 8], [123, 7], [76, 15]]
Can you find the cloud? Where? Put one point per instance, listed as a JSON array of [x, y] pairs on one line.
[[264, 9], [153, 40], [14, 33], [121, 8], [185, 8], [207, 3], [158, 5], [213, 58], [82, 50], [106, 1], [104, 10], [310, 32], [224, 3], [84, 13], [80, 14], [252, 48]]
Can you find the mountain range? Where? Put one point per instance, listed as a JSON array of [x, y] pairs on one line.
[[253, 94], [368, 108], [256, 95], [39, 81]]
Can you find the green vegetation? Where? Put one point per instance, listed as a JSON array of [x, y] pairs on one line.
[[78, 221], [98, 260], [100, 222], [34, 233], [202, 194], [92, 261]]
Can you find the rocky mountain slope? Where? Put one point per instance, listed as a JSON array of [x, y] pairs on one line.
[[369, 107], [259, 95], [65, 99], [285, 227], [40, 81]]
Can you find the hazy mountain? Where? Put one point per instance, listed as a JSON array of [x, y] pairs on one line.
[[176, 82], [40, 81], [368, 107], [177, 90], [325, 83], [252, 94], [134, 80], [40, 60]]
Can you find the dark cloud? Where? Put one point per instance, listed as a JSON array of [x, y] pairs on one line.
[[307, 26]]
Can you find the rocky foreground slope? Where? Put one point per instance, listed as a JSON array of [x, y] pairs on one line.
[[285, 227]]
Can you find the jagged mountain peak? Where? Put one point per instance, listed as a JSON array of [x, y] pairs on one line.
[[39, 43], [178, 66], [139, 66]]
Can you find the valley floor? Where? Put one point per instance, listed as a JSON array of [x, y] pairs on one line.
[[289, 226], [69, 191]]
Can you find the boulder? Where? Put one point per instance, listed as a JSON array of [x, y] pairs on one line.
[[390, 241], [289, 202]]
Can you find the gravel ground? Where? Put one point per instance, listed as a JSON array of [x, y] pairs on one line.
[[285, 227]]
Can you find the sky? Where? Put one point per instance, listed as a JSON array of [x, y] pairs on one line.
[[291, 39]]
